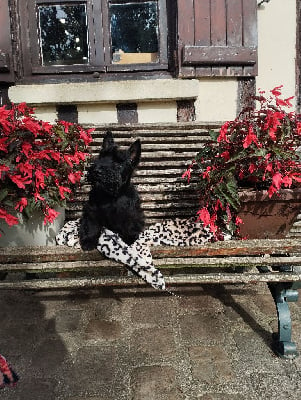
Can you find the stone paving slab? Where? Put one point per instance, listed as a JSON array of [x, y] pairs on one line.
[[211, 343]]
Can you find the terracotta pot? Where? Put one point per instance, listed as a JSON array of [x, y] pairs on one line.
[[31, 232], [269, 218]]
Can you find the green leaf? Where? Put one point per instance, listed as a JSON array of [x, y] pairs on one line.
[[261, 152], [214, 134], [3, 194], [227, 193]]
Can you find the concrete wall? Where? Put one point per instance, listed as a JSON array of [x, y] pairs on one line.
[[215, 99]]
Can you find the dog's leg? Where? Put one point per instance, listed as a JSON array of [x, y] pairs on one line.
[[131, 231], [89, 230]]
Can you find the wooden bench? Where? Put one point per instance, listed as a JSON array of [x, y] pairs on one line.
[[166, 151]]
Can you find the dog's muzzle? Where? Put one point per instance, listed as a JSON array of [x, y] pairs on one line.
[[108, 181]]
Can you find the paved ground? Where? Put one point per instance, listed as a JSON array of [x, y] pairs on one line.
[[213, 343]]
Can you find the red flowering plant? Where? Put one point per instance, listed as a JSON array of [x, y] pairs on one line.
[[260, 149], [41, 164]]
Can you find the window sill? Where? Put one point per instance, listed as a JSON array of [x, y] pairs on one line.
[[105, 92]]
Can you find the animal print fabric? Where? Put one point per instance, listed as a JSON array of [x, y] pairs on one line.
[[137, 257]]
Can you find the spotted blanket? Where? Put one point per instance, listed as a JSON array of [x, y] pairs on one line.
[[137, 257]]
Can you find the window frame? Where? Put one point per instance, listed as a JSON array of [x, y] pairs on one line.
[[163, 52], [99, 41]]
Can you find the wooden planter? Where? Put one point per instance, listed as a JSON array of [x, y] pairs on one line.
[[269, 218]]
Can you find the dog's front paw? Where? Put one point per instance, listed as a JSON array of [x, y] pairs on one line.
[[88, 245], [88, 248]]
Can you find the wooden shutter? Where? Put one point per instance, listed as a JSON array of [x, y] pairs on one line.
[[217, 38], [6, 64]]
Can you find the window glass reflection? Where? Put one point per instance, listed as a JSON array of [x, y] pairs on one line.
[[63, 34], [134, 31]]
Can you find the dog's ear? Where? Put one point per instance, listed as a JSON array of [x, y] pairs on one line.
[[135, 152], [108, 141]]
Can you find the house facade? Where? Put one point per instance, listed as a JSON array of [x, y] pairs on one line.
[[146, 61]]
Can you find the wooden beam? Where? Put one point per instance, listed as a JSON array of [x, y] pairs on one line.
[[219, 55], [88, 283]]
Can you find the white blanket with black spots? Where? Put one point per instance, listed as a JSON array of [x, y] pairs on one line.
[[137, 257]]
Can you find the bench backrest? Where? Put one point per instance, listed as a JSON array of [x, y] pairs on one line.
[[167, 151]]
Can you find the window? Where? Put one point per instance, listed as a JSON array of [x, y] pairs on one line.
[[63, 35], [96, 35], [134, 31]]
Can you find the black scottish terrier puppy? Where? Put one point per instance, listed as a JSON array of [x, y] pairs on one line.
[[113, 202]]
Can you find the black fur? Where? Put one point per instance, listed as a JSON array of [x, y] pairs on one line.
[[113, 202]]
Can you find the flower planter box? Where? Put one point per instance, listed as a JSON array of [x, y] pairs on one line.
[[31, 232], [268, 218]]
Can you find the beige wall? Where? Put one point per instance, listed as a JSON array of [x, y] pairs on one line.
[[216, 99], [277, 46]]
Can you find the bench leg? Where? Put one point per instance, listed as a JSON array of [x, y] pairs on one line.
[[282, 294]]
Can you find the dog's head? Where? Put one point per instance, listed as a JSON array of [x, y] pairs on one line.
[[113, 168]]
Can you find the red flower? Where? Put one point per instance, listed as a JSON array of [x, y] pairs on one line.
[[26, 148], [68, 160], [37, 197], [50, 215], [20, 181], [288, 101], [21, 204], [44, 154], [273, 120], [66, 125], [86, 136], [9, 219], [3, 168], [252, 168], [4, 119], [226, 155], [75, 177], [223, 133], [3, 145], [187, 173], [250, 138], [281, 102], [79, 156], [276, 91], [46, 126], [24, 109], [39, 175], [218, 205], [272, 190], [285, 102], [50, 171], [204, 216], [277, 180], [287, 181], [206, 174], [41, 159], [32, 125], [55, 155], [26, 168], [238, 221], [63, 190]]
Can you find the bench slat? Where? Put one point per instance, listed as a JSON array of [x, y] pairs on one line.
[[253, 247], [161, 263], [86, 283]]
